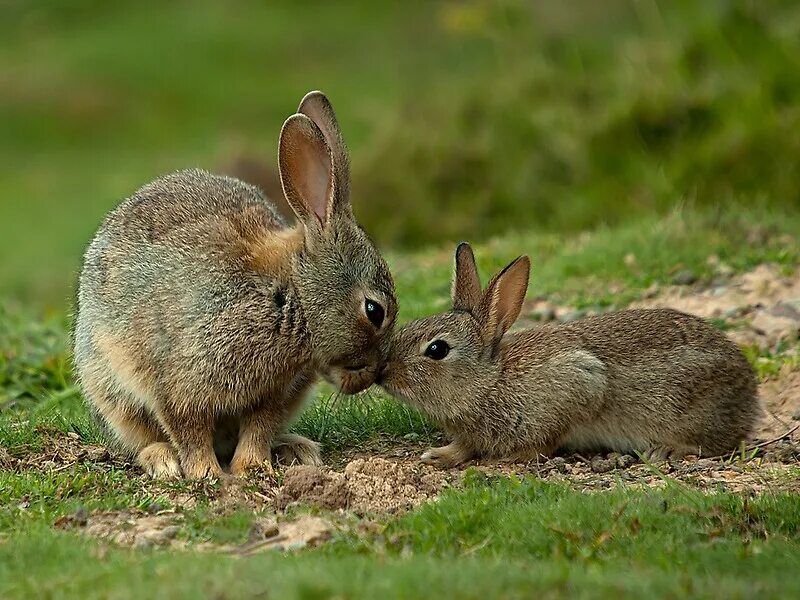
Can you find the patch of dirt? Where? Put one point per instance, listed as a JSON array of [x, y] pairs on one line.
[[367, 485], [139, 529], [763, 305], [60, 452], [760, 307], [65, 452], [779, 472], [371, 485], [781, 401], [304, 531], [125, 528]]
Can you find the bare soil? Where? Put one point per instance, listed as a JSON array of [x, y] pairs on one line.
[[364, 486]]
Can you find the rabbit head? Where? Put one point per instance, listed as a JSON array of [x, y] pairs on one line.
[[344, 285], [439, 363]]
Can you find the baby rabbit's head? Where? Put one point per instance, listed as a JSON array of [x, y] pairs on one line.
[[440, 363], [345, 287]]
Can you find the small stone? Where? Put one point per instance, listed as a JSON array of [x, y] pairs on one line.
[[154, 508], [263, 529], [685, 277], [411, 437], [97, 453], [787, 310], [558, 463], [80, 516], [602, 465], [625, 461]]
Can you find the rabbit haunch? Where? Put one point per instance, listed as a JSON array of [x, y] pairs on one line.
[[658, 382], [203, 319]]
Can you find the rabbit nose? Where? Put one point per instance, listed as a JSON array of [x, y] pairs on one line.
[[380, 376]]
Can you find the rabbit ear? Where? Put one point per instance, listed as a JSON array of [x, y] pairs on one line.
[[503, 299], [466, 283], [316, 106], [306, 171]]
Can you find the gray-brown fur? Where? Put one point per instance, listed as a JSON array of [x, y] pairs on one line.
[[203, 319], [659, 382]]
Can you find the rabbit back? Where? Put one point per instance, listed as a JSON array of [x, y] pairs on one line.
[[670, 378], [182, 286]]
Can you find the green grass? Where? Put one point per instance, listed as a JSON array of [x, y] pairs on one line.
[[498, 537]]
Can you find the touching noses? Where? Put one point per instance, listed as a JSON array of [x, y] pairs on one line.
[[380, 375]]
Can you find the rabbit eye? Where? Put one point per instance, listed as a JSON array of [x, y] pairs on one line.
[[375, 312], [437, 350]]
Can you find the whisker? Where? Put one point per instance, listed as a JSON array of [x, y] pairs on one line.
[[324, 407], [365, 405]]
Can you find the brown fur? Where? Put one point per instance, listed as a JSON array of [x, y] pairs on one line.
[[659, 382], [203, 317], [272, 252]]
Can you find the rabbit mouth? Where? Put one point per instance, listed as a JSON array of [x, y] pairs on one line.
[[350, 379]]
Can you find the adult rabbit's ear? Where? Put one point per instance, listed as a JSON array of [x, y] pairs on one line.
[[315, 105], [466, 291], [306, 169], [501, 304]]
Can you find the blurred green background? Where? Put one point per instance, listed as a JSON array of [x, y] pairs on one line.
[[465, 119]]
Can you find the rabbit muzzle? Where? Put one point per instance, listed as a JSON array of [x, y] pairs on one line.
[[350, 379]]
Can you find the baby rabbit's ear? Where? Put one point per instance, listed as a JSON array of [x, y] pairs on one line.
[[503, 299], [316, 106], [306, 171], [466, 283]]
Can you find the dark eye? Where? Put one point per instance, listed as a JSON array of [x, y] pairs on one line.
[[374, 312], [437, 350]]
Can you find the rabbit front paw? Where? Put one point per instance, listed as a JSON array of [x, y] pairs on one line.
[[251, 461], [662, 453], [200, 467], [160, 461], [446, 457], [296, 449]]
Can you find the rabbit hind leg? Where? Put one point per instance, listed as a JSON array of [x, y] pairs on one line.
[[135, 432]]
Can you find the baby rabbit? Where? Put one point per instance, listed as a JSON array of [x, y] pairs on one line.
[[203, 318], [659, 382]]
